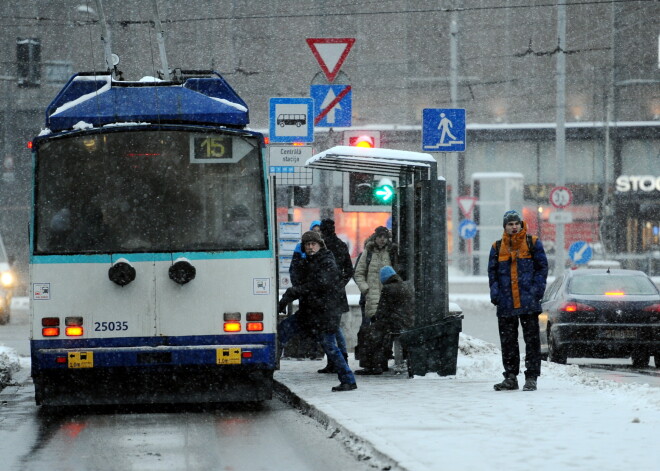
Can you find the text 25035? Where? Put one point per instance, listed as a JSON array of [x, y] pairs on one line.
[[110, 326]]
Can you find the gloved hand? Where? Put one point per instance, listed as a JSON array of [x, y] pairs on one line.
[[281, 306], [287, 297], [494, 302]]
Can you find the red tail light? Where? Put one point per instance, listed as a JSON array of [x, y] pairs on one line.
[[50, 321], [572, 306], [652, 308], [255, 326], [254, 316], [50, 331], [246, 354]]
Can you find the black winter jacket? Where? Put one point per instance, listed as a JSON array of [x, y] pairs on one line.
[[395, 307], [343, 260], [318, 292]]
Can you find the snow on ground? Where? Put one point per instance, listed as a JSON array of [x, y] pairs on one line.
[[574, 421], [9, 364]]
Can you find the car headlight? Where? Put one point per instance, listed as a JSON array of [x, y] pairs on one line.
[[7, 279]]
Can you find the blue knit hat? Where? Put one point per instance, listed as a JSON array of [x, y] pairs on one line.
[[386, 273], [314, 224]]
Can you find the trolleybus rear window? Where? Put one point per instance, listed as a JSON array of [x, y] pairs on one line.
[[149, 191]]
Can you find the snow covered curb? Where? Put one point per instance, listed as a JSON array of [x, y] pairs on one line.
[[362, 449], [9, 364]]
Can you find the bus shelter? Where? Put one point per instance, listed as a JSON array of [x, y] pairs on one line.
[[419, 226]]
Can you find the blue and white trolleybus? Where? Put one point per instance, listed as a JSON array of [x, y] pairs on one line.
[[152, 267]]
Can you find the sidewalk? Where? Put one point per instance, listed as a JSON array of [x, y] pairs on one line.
[[574, 421]]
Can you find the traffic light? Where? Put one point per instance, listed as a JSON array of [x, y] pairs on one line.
[[361, 189], [366, 139], [365, 192], [301, 195], [384, 191]]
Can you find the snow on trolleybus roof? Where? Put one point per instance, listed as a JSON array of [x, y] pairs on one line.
[[197, 97]]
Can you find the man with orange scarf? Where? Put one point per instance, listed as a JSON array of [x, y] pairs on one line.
[[517, 272]]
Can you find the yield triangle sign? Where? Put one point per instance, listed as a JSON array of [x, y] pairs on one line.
[[330, 53], [466, 205]]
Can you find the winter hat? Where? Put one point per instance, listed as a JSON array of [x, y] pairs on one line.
[[311, 236], [386, 273], [511, 216], [314, 224], [327, 227], [382, 231]]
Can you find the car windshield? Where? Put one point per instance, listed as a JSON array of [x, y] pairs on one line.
[[609, 283]]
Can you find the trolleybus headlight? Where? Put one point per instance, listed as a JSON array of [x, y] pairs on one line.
[[182, 271]]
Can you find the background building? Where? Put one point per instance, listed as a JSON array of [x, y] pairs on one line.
[[504, 76]]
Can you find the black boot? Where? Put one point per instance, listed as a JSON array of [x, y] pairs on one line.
[[344, 387], [329, 368], [510, 383], [530, 384]]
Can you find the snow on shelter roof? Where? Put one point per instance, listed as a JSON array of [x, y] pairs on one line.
[[376, 161], [199, 98]]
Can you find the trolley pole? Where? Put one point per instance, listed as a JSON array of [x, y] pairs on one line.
[[106, 39]]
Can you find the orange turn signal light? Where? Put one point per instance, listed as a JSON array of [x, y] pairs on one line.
[[50, 331], [232, 327], [74, 331]]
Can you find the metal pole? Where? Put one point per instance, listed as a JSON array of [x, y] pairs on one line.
[[106, 38], [457, 184], [560, 145], [160, 37]]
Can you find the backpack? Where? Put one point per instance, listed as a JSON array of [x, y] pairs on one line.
[[531, 241], [393, 259]]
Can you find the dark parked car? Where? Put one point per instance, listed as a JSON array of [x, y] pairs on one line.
[[602, 313]]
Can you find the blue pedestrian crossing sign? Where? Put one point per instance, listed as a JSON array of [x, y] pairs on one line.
[[443, 130], [580, 252], [332, 105], [467, 229], [291, 120]]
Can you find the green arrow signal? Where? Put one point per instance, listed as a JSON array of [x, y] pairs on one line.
[[384, 193]]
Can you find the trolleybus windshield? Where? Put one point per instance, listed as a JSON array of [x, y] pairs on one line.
[[149, 191]]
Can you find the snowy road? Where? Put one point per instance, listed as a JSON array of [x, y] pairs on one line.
[[175, 438]]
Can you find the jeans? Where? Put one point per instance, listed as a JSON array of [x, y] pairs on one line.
[[508, 327], [341, 341], [290, 327]]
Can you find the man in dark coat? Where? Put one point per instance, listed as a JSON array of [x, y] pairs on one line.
[[394, 313], [319, 310], [517, 272], [343, 259]]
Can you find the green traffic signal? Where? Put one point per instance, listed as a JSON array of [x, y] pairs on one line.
[[384, 193]]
